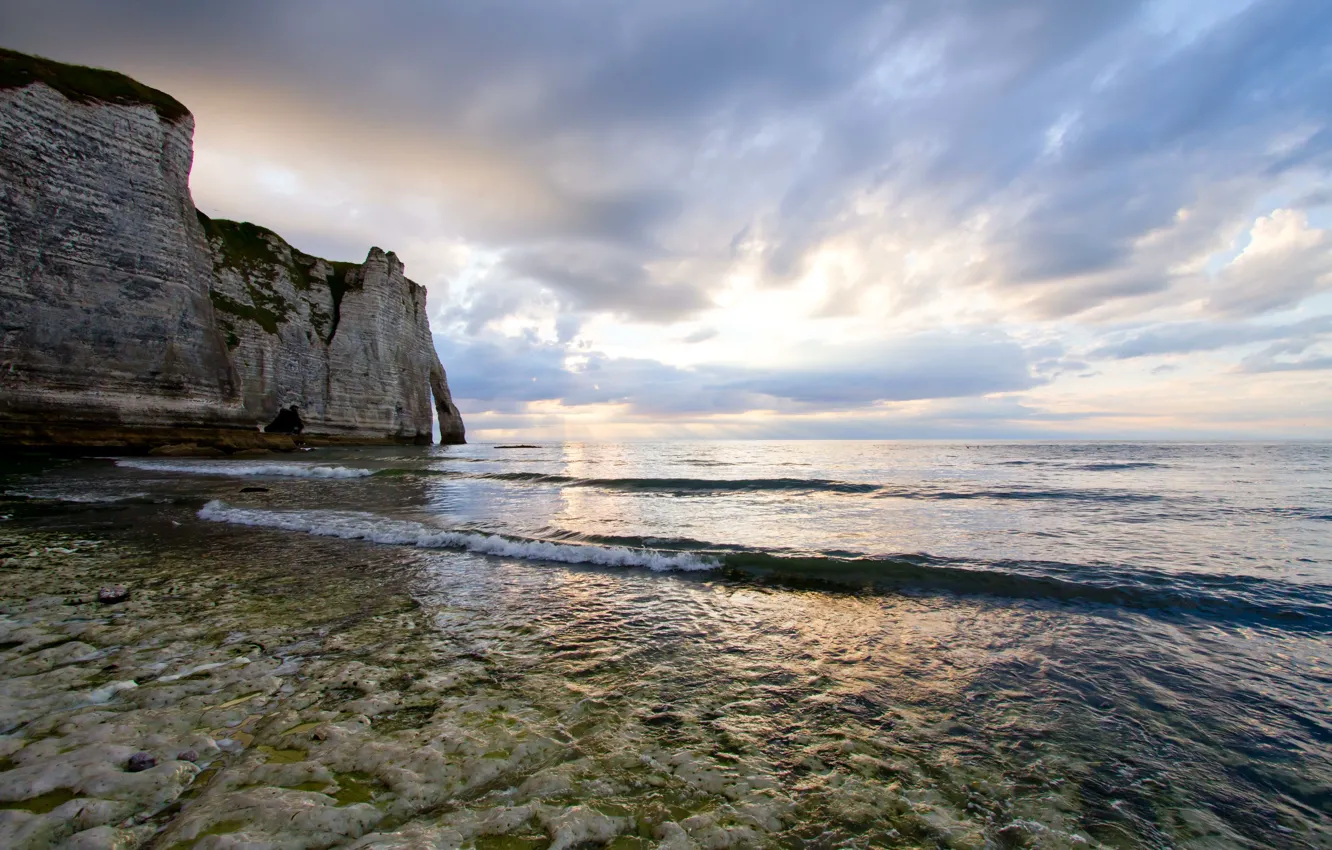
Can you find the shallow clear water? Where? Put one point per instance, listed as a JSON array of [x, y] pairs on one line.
[[912, 644]]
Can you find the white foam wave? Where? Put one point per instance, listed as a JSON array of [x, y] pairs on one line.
[[236, 468], [83, 498], [378, 529]]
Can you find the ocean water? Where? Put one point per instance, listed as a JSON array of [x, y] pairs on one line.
[[898, 644]]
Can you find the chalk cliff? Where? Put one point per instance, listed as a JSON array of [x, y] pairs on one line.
[[128, 318]]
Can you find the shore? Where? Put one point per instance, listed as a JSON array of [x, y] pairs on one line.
[[298, 706], [262, 687]]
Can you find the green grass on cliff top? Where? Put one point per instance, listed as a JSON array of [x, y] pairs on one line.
[[85, 85], [258, 253]]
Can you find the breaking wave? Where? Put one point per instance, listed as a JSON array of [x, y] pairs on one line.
[[245, 469], [378, 529], [78, 498], [1304, 606]]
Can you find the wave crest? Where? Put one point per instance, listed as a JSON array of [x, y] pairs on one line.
[[1226, 598], [245, 469], [377, 529]]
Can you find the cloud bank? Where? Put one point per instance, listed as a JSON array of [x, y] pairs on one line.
[[1097, 218]]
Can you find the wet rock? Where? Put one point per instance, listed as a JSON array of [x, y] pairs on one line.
[[579, 825], [673, 837], [140, 761], [187, 755], [113, 595], [665, 718]]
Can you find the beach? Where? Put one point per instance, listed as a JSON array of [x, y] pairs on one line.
[[327, 652]]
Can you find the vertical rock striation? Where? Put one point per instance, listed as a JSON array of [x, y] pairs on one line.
[[128, 318]]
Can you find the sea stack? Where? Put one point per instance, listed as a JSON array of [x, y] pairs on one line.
[[128, 319]]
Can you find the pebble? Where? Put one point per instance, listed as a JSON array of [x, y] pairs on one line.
[[140, 761], [187, 755], [113, 595]]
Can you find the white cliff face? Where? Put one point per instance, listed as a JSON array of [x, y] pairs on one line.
[[127, 317], [348, 345], [104, 311]]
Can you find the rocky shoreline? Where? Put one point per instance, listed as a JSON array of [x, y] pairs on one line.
[[217, 711]]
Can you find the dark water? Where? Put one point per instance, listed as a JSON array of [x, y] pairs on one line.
[[1025, 645]]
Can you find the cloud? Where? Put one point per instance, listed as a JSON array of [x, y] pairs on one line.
[[926, 366], [1285, 262], [652, 133], [1103, 180], [1295, 355], [596, 278], [1189, 337], [1306, 364]]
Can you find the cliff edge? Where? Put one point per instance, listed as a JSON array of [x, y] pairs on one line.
[[129, 319]]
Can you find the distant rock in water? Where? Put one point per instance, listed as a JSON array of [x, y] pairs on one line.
[[128, 319]]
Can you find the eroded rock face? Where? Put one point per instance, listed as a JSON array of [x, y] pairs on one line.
[[127, 318], [349, 345], [104, 310]]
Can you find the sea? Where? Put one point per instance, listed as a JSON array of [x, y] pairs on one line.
[[916, 644]]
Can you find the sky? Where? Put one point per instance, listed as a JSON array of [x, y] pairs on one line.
[[677, 219]]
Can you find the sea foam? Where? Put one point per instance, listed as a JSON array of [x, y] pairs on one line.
[[378, 529], [80, 498], [233, 468]]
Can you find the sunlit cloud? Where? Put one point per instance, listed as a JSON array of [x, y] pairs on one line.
[[1024, 219]]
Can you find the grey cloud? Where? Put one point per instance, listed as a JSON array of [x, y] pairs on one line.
[[925, 366], [1317, 198], [1305, 364], [1189, 337], [653, 133], [920, 367], [1288, 355], [596, 277]]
